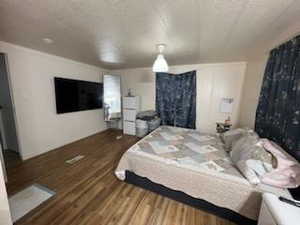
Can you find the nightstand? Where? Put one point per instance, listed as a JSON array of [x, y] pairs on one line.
[[275, 212]]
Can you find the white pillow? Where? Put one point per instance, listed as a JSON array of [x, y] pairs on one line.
[[246, 168]]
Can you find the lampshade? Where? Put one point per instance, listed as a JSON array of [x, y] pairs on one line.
[[160, 64]]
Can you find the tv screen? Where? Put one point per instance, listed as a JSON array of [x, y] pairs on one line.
[[77, 95]]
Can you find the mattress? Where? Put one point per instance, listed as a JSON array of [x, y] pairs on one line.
[[197, 164]]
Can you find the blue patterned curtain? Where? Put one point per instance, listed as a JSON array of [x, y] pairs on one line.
[[176, 99], [278, 111]]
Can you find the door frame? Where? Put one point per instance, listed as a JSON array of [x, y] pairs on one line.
[[11, 94]]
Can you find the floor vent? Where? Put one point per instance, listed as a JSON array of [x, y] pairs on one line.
[[75, 159]]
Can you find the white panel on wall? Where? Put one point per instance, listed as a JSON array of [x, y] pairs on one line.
[[204, 94], [228, 83], [142, 83], [251, 90]]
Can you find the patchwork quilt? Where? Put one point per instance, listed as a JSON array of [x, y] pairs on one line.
[[187, 148]]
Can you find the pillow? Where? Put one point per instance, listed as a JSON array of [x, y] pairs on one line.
[[287, 171], [251, 169], [231, 136], [251, 159], [240, 147]]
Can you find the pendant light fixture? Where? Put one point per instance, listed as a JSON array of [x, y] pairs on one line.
[[160, 64]]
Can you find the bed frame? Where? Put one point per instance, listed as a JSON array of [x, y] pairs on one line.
[[179, 196], [295, 192]]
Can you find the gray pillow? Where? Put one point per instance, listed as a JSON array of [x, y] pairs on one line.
[[241, 147], [250, 158], [231, 137]]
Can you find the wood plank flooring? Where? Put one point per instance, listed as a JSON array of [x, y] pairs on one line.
[[88, 193]]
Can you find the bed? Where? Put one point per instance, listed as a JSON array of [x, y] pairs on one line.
[[193, 168]]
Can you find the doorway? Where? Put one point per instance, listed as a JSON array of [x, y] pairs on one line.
[[8, 129]]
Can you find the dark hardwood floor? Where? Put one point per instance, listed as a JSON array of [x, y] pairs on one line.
[[87, 192]]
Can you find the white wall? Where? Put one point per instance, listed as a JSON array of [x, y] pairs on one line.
[[251, 90], [40, 128], [214, 81]]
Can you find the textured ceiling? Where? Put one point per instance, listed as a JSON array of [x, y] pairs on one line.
[[123, 33]]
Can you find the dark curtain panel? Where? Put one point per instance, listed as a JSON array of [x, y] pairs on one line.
[[278, 111], [176, 99]]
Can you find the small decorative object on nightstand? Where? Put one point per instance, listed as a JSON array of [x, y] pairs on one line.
[[276, 212], [223, 127]]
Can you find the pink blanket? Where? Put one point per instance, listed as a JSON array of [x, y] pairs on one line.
[[287, 172]]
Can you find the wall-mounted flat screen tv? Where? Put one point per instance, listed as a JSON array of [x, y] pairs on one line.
[[76, 95]]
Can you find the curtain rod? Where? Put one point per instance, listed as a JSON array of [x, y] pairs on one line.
[[284, 41]]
